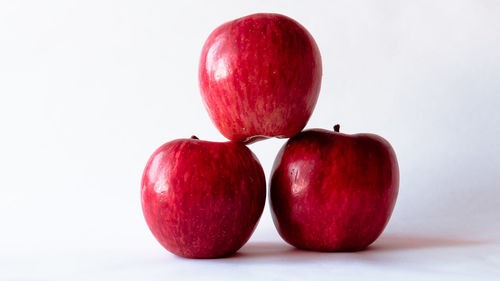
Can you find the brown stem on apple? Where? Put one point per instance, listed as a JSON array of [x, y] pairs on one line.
[[336, 128], [193, 137]]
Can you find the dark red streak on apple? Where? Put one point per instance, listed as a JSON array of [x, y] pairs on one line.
[[333, 192], [260, 77], [202, 199]]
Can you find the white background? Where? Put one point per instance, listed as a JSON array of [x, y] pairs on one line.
[[88, 90]]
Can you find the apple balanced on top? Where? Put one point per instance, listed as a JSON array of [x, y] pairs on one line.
[[260, 77]]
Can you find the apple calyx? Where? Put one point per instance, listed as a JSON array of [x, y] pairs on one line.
[[193, 137], [336, 128]]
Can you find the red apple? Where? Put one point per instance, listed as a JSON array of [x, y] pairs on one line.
[[332, 191], [202, 199], [260, 77]]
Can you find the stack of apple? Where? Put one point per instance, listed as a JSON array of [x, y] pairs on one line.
[[260, 77]]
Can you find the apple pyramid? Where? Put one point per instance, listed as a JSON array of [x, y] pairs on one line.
[[259, 78]]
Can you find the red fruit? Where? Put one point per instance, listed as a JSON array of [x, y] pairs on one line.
[[260, 77], [332, 191], [202, 199]]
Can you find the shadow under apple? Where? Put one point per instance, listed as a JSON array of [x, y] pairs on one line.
[[385, 244]]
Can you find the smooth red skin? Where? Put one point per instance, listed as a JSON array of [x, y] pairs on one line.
[[260, 77], [333, 192], [202, 199]]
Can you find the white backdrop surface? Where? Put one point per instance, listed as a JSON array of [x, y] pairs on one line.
[[88, 90]]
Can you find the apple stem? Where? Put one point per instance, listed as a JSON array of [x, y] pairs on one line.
[[336, 128], [193, 137]]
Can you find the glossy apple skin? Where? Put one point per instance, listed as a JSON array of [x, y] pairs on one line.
[[260, 77], [333, 192], [202, 199]]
